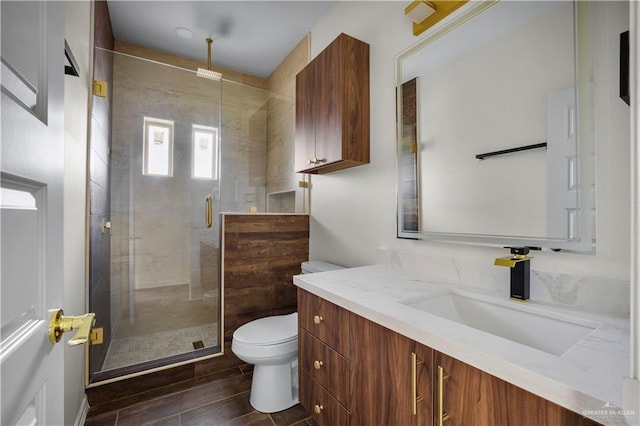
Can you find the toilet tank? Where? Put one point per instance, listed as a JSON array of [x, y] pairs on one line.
[[312, 266]]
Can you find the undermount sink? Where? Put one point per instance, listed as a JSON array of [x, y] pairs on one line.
[[537, 328]]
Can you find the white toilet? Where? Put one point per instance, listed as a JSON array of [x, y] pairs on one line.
[[271, 345]]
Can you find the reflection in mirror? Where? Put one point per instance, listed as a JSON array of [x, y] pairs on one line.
[[408, 158], [499, 157]]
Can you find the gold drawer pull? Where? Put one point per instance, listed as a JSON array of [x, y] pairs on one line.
[[317, 364], [318, 408], [415, 361], [317, 319], [442, 416]]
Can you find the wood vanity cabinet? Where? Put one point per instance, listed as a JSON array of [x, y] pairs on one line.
[[390, 377], [332, 108], [355, 372], [323, 359], [473, 397]]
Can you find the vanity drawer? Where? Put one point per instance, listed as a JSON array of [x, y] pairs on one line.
[[325, 366], [326, 321], [325, 409]]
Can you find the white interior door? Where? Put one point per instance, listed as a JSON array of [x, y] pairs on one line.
[[31, 203]]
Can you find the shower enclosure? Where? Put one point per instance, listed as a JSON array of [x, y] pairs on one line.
[[176, 151]]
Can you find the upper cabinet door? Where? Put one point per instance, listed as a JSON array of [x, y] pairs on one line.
[[305, 116], [328, 148], [332, 107]]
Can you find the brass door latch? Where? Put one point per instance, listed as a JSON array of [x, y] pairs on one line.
[[59, 324]]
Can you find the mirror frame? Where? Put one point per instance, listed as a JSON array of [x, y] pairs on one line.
[[586, 144]]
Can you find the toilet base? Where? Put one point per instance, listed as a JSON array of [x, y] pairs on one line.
[[274, 387]]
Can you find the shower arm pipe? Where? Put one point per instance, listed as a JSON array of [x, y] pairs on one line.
[[209, 41]]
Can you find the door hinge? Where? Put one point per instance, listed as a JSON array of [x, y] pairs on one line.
[[96, 336], [100, 88]]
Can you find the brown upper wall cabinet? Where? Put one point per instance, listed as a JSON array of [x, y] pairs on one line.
[[332, 108]]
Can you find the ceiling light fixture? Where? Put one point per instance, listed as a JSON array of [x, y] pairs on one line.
[[209, 73], [425, 14], [184, 32], [418, 11]]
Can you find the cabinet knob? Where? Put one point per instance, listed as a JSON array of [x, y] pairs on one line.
[[316, 160], [317, 319], [318, 408], [317, 364]]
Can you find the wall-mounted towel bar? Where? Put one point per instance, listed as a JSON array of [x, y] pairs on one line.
[[510, 150]]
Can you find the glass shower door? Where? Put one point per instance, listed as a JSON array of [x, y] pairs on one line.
[[163, 290]]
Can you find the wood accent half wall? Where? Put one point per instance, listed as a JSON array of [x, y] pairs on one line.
[[260, 255]]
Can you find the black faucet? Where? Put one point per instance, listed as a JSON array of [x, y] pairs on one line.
[[520, 271]]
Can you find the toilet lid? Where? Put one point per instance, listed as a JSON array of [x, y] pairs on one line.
[[269, 330]]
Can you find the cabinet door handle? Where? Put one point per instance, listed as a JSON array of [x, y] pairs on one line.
[[442, 415], [317, 364], [317, 319], [318, 408], [316, 160], [415, 361]]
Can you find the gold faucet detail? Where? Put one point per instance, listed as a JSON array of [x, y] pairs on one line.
[[520, 271], [511, 261]]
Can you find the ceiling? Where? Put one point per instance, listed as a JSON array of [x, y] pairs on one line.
[[249, 36]]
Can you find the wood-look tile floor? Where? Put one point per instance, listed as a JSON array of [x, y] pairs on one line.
[[224, 401]]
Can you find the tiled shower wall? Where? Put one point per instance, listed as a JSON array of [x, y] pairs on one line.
[[282, 181]]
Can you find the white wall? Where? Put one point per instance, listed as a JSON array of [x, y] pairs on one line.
[[354, 211], [76, 96]]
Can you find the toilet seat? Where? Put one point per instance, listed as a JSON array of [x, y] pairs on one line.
[[267, 331]]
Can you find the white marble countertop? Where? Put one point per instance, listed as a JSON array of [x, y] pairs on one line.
[[586, 379]]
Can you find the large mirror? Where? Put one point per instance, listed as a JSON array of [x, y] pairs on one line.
[[495, 142]]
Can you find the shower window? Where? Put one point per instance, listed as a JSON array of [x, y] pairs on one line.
[[204, 147], [158, 147]]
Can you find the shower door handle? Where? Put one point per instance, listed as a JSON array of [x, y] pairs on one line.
[[209, 211]]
